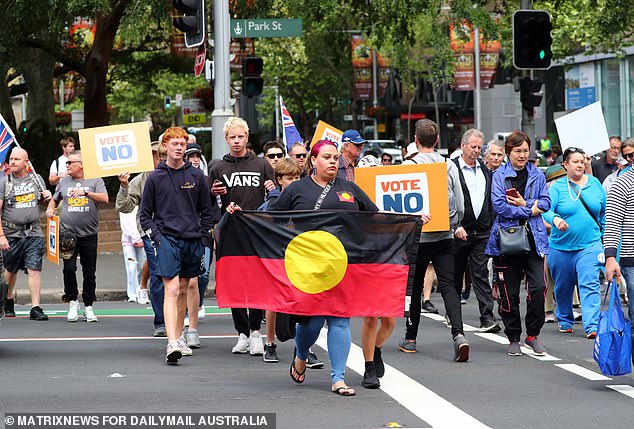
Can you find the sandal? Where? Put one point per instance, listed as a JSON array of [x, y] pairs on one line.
[[296, 376], [344, 391]]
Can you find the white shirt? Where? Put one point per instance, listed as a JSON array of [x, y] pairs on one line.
[[476, 184], [62, 165]]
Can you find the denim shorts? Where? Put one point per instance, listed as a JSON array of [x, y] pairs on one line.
[[24, 253], [181, 257]]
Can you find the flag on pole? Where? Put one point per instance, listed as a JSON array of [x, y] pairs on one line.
[[335, 263], [6, 139], [291, 135]]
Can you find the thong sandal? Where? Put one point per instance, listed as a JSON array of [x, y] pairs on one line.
[[296, 376], [344, 391]]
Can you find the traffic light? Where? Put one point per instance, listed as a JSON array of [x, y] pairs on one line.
[[167, 102], [193, 22], [252, 83], [532, 39], [530, 93]]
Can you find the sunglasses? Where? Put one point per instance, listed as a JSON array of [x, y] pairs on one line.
[[628, 155], [299, 155], [70, 162], [275, 155], [386, 160], [575, 150]]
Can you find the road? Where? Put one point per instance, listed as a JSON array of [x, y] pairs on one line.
[[115, 366]]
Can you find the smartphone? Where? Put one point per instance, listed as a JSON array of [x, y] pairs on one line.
[[513, 193]]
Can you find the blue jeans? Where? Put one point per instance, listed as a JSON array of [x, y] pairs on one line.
[[156, 284], [338, 342], [203, 279], [628, 275], [577, 267]]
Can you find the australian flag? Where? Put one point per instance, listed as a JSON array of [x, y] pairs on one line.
[[6, 139], [291, 135]]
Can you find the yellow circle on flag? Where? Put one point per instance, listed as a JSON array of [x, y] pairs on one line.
[[315, 261], [346, 196]]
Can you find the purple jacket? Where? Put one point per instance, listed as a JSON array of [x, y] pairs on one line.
[[509, 215]]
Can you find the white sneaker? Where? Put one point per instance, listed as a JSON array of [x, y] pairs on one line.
[[142, 296], [73, 311], [193, 339], [186, 324], [89, 314], [242, 346], [185, 349], [257, 346], [201, 312], [132, 299]]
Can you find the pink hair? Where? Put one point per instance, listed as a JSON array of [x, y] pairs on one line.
[[314, 151]]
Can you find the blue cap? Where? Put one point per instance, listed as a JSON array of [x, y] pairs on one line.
[[352, 136]]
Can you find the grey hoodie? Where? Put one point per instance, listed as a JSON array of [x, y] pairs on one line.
[[456, 198]]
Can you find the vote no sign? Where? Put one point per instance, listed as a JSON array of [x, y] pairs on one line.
[[409, 189], [108, 151]]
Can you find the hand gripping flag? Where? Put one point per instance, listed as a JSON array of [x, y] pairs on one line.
[[291, 135], [334, 263], [6, 139]]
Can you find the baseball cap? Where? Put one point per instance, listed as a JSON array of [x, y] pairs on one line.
[[555, 171], [352, 136], [193, 148], [154, 145]]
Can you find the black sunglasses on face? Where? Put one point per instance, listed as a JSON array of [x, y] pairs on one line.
[[628, 155], [70, 162], [299, 155], [275, 155]]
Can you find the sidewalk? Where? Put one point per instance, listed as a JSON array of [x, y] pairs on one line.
[[111, 281]]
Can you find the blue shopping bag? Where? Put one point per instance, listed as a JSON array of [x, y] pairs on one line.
[[613, 344]]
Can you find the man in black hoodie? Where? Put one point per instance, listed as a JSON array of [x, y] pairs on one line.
[[244, 179], [176, 214]]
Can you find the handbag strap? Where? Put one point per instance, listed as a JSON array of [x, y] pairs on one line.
[[321, 198], [578, 192]]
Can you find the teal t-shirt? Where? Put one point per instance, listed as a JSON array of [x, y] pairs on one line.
[[582, 228]]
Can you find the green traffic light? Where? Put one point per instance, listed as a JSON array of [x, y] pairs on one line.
[[542, 54]]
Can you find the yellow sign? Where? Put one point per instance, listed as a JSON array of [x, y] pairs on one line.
[[194, 119], [409, 189], [325, 131], [108, 151], [52, 244]]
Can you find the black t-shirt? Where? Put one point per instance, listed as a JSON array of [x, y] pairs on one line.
[[303, 194], [519, 182]]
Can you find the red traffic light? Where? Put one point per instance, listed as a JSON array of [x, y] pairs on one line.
[[252, 66]]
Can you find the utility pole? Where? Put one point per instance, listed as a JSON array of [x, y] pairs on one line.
[[222, 104], [528, 124], [375, 91], [477, 100]]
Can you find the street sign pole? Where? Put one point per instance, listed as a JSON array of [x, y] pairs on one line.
[[222, 105], [528, 123]]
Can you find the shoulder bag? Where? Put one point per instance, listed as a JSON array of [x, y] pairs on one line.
[[514, 239]]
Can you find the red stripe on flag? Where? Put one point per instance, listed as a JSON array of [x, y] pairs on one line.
[[366, 289]]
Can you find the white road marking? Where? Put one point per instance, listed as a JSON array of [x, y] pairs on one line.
[[34, 339], [625, 389], [439, 318], [422, 402], [526, 350], [582, 372]]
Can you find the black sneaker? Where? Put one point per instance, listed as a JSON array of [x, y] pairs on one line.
[[270, 353], [428, 307], [37, 314], [490, 326], [379, 366], [313, 361], [370, 380], [9, 307]]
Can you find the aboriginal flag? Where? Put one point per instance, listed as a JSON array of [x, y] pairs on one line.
[[334, 263]]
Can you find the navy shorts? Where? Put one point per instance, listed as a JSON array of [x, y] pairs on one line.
[[24, 253], [181, 257]]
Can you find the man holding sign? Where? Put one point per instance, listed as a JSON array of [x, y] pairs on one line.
[[21, 237], [80, 215]]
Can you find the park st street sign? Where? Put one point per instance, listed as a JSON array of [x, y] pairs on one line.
[[241, 28]]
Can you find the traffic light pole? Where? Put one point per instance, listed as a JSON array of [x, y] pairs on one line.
[[528, 124], [222, 105]]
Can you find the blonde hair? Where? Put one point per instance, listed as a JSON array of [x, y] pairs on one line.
[[235, 122]]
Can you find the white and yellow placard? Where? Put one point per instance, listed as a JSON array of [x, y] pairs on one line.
[[326, 131], [52, 242], [108, 151], [409, 189]]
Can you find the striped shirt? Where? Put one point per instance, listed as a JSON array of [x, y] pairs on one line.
[[619, 222]]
